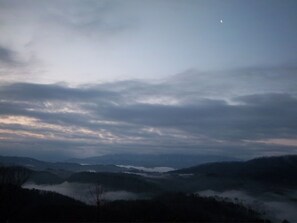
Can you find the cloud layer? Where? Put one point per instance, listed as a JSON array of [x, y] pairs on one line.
[[243, 113]]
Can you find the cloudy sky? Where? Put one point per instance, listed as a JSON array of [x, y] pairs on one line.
[[82, 78]]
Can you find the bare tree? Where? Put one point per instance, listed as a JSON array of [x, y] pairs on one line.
[[96, 192]]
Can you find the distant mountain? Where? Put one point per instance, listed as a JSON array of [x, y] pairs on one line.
[[277, 170], [146, 160], [260, 173], [23, 161], [58, 168]]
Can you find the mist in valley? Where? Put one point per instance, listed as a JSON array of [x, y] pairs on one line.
[[274, 206], [84, 192]]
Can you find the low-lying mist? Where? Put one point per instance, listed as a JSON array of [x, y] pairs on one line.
[[84, 192], [149, 169], [274, 206]]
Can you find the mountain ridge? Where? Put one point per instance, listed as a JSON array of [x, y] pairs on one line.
[[276, 169], [148, 160]]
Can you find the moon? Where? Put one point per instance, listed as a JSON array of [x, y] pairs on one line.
[[221, 21]]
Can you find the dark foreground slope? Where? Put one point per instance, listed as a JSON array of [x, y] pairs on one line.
[[19, 204], [23, 205], [178, 207]]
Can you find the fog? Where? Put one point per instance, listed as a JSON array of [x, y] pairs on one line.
[[149, 169], [84, 192], [274, 206]]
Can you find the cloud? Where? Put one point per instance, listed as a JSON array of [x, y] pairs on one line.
[[42, 92], [227, 84], [83, 17], [273, 117], [75, 30], [91, 40], [142, 116], [7, 56]]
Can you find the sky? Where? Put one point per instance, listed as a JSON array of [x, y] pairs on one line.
[[82, 78]]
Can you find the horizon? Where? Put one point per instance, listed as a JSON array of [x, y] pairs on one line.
[[67, 159], [90, 78], [76, 159]]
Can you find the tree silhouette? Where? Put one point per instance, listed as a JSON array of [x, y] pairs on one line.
[[11, 180], [16, 176], [96, 192]]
